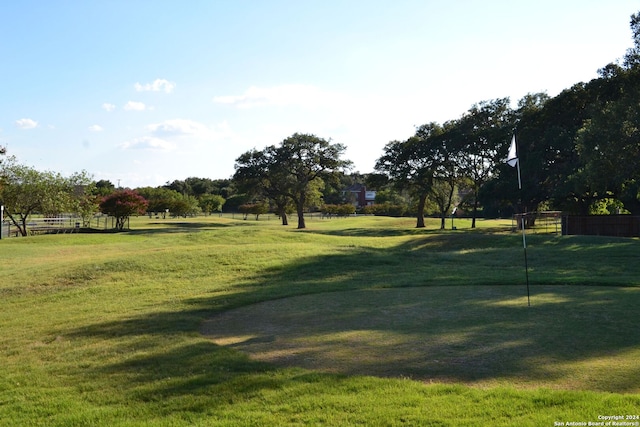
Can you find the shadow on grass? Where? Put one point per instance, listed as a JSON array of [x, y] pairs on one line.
[[477, 331], [176, 227], [395, 231], [572, 338]]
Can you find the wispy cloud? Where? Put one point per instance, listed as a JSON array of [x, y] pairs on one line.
[[108, 107], [96, 128], [26, 123], [189, 135], [177, 127], [149, 143], [185, 128], [283, 95], [158, 85], [135, 106]]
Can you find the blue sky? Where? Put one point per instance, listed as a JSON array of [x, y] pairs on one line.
[[145, 92]]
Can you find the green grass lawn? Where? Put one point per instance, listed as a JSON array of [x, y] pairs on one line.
[[399, 326]]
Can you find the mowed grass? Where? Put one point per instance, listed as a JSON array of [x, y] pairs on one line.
[[106, 329]]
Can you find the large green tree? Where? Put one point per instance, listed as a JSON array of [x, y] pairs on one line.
[[210, 203], [408, 170], [25, 191], [444, 148], [414, 165], [482, 132], [259, 175], [292, 170], [608, 143], [305, 159]]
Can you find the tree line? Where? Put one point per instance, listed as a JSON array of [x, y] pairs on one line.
[[578, 152]]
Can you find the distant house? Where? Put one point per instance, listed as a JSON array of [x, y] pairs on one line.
[[361, 196]]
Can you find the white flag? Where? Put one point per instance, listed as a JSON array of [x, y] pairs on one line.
[[512, 157]]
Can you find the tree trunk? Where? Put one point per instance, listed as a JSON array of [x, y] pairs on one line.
[[475, 210], [120, 222], [21, 224], [282, 213], [300, 207], [420, 215], [443, 218], [301, 223]]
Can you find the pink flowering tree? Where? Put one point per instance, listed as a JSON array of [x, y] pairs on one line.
[[122, 204]]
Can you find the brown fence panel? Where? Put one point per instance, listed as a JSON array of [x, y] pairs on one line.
[[601, 225]]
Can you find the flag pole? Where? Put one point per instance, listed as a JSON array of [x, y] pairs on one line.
[[513, 160], [526, 264]]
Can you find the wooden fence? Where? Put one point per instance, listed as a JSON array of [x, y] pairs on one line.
[[602, 225]]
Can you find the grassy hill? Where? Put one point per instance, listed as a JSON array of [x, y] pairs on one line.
[[408, 327]]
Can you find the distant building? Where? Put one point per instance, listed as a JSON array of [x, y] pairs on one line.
[[361, 196]]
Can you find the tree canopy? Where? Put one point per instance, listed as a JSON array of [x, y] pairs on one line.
[[287, 172], [25, 191], [122, 204]]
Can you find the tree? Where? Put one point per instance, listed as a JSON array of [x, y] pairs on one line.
[[408, 170], [84, 202], [391, 196], [200, 186], [632, 57], [483, 131], [542, 130], [210, 203], [179, 186], [442, 194], [445, 152], [291, 171], [414, 164], [259, 175], [104, 188], [25, 191], [184, 206], [224, 187], [608, 144], [304, 159], [122, 204], [160, 200]]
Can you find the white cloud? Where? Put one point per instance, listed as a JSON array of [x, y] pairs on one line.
[[284, 95], [108, 107], [178, 127], [149, 143], [26, 123], [135, 106], [195, 131], [158, 85], [96, 128]]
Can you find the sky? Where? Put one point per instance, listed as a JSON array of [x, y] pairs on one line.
[[142, 93]]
